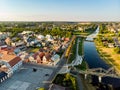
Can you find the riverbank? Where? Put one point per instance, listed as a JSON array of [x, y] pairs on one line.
[[75, 58], [83, 66], [109, 56], [72, 54]]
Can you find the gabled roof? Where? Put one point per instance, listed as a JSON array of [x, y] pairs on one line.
[[14, 61], [48, 56], [55, 57], [35, 55], [41, 54]]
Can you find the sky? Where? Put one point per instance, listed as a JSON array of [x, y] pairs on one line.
[[59, 10]]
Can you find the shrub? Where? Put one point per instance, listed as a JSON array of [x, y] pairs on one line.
[[117, 50], [41, 89]]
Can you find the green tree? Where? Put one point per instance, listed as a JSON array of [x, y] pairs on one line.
[[41, 89], [117, 50]]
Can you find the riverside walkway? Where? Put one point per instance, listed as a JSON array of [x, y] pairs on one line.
[[92, 36], [78, 60]]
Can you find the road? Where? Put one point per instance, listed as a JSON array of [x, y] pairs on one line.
[[55, 71], [78, 60], [61, 64], [78, 57]]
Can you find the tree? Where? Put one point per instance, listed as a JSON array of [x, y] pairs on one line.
[[117, 50], [103, 29], [41, 89], [110, 40]]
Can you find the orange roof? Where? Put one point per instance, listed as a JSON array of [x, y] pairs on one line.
[[9, 57], [67, 39]]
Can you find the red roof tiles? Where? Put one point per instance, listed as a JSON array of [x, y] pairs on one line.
[[14, 61]]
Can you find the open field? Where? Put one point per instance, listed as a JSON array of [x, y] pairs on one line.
[[109, 56]]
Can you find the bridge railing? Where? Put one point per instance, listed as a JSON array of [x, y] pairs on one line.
[[101, 72]]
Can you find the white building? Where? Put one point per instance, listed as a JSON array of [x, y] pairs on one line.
[[19, 43], [49, 38], [27, 32], [40, 37], [11, 61], [55, 59], [31, 58]]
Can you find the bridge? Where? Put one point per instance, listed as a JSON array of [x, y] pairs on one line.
[[100, 72]]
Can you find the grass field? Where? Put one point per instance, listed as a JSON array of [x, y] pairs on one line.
[[109, 56]]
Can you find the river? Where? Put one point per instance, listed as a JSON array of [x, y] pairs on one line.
[[94, 61]]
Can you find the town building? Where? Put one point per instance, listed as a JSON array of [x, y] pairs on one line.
[[9, 60]]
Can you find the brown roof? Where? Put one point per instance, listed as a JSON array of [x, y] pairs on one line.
[[5, 69], [48, 56], [41, 49], [3, 48], [67, 39], [14, 61], [41, 54], [35, 55]]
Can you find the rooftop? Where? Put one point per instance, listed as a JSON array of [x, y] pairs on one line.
[[2, 74], [7, 55]]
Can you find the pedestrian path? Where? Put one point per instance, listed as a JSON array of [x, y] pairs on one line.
[[78, 61], [92, 36]]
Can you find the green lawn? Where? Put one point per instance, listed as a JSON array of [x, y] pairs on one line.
[[80, 50], [33, 50]]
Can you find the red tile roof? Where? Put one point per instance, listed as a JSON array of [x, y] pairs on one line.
[[41, 54], [14, 61], [35, 55]]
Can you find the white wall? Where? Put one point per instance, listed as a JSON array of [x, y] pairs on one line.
[[16, 67]]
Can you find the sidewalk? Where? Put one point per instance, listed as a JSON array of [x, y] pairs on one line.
[[79, 58]]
